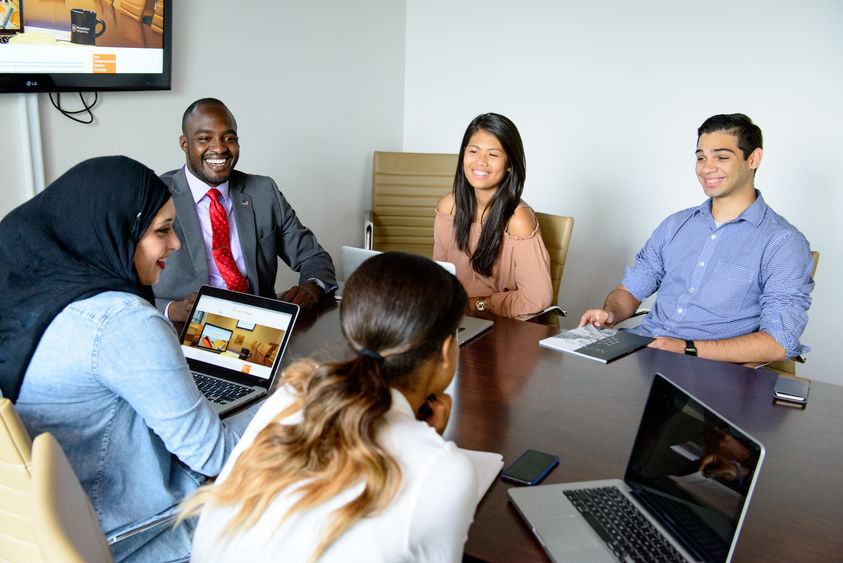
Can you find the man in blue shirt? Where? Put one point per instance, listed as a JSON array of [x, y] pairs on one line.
[[733, 277]]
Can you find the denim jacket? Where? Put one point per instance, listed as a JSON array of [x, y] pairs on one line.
[[109, 381]]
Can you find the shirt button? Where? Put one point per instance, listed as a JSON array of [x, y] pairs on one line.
[[702, 263], [713, 237], [667, 330], [679, 310]]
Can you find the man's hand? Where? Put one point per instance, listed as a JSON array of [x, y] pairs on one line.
[[178, 310], [305, 296], [598, 317], [669, 344]]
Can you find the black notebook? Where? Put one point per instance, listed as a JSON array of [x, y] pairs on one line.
[[601, 344]]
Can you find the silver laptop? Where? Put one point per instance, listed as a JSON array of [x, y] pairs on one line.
[[690, 475], [470, 327], [233, 343]]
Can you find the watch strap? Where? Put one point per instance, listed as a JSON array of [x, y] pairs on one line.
[[690, 348]]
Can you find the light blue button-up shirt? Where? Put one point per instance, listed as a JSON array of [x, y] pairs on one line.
[[747, 275]]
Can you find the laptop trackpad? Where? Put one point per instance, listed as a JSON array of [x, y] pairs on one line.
[[569, 535]]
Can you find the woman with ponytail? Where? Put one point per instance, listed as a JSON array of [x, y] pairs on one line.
[[486, 230], [345, 461]]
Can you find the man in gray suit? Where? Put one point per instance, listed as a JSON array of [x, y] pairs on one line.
[[262, 226]]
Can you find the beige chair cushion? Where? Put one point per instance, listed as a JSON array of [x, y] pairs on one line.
[[17, 537]]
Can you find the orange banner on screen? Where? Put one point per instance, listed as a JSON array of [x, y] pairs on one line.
[[105, 63]]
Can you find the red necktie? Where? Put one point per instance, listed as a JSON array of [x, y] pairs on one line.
[[234, 280]]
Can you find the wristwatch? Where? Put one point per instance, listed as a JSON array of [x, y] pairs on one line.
[[480, 304], [690, 348]]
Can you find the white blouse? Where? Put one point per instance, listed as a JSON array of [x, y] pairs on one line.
[[427, 520]]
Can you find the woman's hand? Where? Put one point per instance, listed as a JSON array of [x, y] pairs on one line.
[[436, 411]]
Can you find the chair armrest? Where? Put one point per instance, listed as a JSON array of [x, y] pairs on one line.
[[368, 230], [548, 316]]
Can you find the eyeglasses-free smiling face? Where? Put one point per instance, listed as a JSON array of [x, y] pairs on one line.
[[211, 144], [156, 244], [721, 167], [485, 163]]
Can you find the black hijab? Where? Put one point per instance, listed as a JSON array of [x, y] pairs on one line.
[[74, 240]]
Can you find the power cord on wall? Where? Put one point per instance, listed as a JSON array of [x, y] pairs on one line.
[[86, 107]]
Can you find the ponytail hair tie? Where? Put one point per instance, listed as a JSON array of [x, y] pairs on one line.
[[371, 353]]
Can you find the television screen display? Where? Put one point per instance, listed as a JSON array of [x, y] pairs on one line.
[[85, 45]]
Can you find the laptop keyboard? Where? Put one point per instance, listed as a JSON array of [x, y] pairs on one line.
[[220, 391], [692, 526], [622, 526]]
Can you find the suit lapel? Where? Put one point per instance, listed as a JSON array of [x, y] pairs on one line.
[[186, 218], [244, 217]]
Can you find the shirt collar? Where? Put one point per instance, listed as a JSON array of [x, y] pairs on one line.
[[199, 189], [753, 214]]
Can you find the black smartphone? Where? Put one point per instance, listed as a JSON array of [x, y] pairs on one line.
[[530, 467], [791, 389]]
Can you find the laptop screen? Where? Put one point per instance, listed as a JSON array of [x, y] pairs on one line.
[[235, 336], [693, 470]]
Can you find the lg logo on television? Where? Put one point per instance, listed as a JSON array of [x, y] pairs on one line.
[[31, 83]]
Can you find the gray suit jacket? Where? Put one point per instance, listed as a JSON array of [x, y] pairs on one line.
[[268, 229]]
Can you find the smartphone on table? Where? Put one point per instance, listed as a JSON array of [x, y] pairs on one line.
[[791, 389], [530, 467]]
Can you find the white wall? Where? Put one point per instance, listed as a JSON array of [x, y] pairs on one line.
[[13, 188], [608, 95], [315, 88]]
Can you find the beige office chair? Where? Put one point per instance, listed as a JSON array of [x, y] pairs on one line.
[[26, 536], [65, 524], [17, 536], [405, 190], [556, 234]]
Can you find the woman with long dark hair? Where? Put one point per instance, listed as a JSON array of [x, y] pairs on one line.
[[86, 356], [486, 230], [340, 464]]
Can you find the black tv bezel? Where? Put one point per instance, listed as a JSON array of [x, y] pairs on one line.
[[18, 83]]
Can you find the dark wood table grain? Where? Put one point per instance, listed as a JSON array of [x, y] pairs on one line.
[[512, 394]]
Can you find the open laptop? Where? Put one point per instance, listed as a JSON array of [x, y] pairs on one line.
[[233, 343], [696, 515], [470, 327]]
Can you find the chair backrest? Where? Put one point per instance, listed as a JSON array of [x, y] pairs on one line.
[[17, 538], [556, 234], [405, 190], [65, 524]]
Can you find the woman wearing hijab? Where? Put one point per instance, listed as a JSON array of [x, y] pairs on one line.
[[85, 355]]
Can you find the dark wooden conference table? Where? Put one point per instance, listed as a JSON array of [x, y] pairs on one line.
[[512, 394]]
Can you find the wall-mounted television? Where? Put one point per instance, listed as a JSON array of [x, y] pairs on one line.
[[85, 45]]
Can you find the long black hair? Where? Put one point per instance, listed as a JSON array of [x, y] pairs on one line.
[[503, 203]]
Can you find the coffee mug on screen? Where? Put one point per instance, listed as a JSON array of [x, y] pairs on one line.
[[83, 24]]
